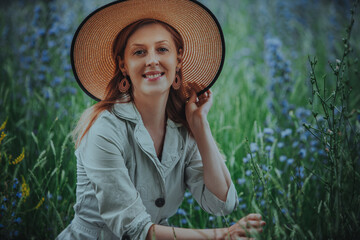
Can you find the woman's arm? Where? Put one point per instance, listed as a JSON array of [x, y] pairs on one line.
[[216, 175], [249, 225]]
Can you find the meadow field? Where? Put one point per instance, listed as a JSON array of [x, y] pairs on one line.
[[286, 116]]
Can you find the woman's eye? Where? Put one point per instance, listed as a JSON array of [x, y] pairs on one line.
[[139, 52], [163, 49]]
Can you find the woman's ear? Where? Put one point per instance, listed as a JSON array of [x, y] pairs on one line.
[[179, 58], [122, 66]]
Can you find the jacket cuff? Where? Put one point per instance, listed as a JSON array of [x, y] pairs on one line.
[[218, 207]]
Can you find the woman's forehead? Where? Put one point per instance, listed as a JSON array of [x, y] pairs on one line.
[[150, 33]]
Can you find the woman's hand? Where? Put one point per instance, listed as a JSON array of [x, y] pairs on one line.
[[197, 108], [245, 227]]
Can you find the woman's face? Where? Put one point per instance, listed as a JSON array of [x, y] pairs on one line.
[[150, 60]]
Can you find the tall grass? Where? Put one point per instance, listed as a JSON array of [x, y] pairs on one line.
[[292, 146]]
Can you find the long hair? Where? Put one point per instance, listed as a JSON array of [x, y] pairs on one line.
[[175, 107]]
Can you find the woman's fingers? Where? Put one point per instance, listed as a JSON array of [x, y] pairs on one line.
[[254, 216]]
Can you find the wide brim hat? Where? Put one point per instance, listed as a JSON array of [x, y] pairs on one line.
[[204, 46]]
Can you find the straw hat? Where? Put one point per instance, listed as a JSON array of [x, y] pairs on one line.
[[204, 46]]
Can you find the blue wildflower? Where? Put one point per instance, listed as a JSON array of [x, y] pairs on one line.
[[245, 160], [1, 225], [280, 144], [59, 197], [282, 158], [295, 144], [302, 153], [270, 139], [3, 207], [13, 203], [17, 220], [211, 218], [240, 199], [19, 194], [181, 211], [268, 148], [243, 206], [197, 208], [262, 202], [57, 105], [248, 172], [56, 81], [49, 195], [286, 132], [183, 221], [313, 143], [284, 210], [241, 181], [290, 161], [16, 233], [190, 201], [268, 131], [253, 147], [187, 194]]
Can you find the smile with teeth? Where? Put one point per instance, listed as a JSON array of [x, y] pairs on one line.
[[153, 76]]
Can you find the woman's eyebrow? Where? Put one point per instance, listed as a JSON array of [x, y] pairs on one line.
[[140, 44]]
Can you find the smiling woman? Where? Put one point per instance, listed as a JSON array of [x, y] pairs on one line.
[[148, 140]]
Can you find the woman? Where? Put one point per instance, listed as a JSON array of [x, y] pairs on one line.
[[148, 139]]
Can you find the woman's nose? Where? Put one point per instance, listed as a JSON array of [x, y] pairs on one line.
[[152, 59]]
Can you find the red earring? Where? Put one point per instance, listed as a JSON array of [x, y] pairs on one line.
[[177, 82], [124, 85]]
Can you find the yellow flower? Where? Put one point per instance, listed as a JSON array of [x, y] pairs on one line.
[[25, 189], [40, 203], [19, 158], [3, 125], [3, 135]]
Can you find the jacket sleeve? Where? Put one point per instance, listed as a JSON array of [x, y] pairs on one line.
[[194, 179], [119, 203]]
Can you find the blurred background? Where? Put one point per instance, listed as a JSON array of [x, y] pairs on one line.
[[285, 115]]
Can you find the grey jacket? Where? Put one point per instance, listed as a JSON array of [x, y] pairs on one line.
[[123, 188]]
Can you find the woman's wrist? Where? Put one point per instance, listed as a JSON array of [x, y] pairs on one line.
[[199, 127]]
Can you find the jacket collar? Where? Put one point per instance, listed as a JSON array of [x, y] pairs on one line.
[[173, 144], [128, 111]]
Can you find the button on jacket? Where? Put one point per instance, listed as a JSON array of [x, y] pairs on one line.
[[122, 186]]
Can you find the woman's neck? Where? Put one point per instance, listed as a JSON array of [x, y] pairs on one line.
[[153, 111]]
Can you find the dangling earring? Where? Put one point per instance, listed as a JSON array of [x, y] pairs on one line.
[[177, 82], [124, 85]]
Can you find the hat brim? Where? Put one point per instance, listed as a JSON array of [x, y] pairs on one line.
[[204, 46]]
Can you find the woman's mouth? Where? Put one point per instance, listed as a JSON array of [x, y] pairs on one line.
[[153, 76]]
